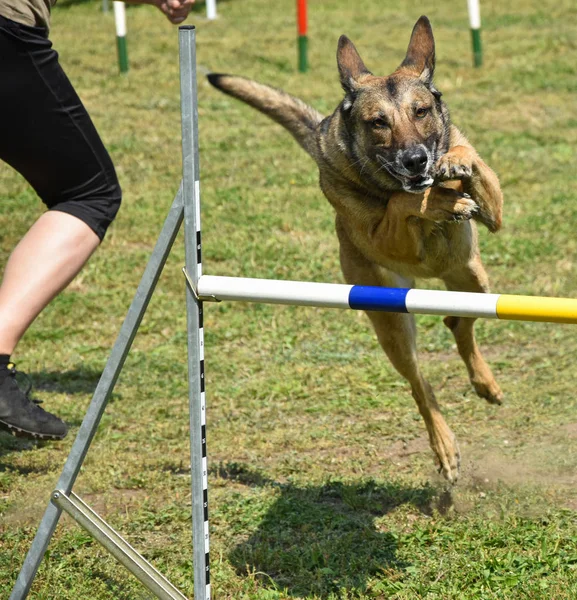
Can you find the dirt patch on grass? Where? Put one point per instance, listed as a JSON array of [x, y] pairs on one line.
[[28, 510], [543, 466], [571, 430], [115, 501], [405, 448]]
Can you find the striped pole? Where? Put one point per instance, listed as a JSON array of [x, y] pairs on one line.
[[120, 20], [302, 35], [211, 10], [400, 300], [475, 23], [195, 326]]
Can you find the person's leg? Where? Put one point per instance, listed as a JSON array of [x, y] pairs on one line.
[[45, 261], [42, 264], [48, 137]]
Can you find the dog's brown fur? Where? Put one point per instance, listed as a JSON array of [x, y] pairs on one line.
[[398, 218]]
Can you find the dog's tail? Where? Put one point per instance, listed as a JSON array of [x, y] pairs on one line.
[[293, 114]]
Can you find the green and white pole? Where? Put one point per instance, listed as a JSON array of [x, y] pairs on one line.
[[475, 22], [302, 31], [120, 20], [211, 10]]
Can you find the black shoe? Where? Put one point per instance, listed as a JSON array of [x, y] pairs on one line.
[[23, 417]]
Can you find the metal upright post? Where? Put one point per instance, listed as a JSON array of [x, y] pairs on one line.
[[194, 309]]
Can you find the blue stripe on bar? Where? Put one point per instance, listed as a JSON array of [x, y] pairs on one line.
[[364, 297]]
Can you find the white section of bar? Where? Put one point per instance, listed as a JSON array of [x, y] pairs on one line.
[[272, 291], [456, 304], [474, 14], [120, 18]]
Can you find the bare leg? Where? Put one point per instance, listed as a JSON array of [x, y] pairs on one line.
[[44, 262], [472, 278], [397, 335]]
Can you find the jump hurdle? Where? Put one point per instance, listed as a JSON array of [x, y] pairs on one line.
[[400, 300], [201, 288]]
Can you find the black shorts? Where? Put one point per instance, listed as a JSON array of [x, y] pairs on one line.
[[46, 133]]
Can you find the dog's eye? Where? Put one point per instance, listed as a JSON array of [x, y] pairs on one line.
[[379, 123], [422, 112]]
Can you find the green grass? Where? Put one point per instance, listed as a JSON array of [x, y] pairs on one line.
[[322, 485]]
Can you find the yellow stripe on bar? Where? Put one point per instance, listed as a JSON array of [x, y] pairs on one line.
[[537, 308]]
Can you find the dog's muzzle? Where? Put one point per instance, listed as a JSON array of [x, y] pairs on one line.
[[411, 167]]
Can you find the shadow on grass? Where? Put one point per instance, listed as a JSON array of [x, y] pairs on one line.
[[317, 540], [10, 444], [75, 381]]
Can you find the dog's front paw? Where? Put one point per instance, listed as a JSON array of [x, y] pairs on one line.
[[445, 204], [457, 163]]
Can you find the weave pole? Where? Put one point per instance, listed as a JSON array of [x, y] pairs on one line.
[[400, 300], [475, 23], [120, 22], [302, 36], [211, 10]]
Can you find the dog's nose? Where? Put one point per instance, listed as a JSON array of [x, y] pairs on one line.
[[415, 160]]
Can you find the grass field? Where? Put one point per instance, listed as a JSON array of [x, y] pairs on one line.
[[322, 484]]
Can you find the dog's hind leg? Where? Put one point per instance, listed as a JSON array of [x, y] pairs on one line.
[[397, 335], [472, 278]]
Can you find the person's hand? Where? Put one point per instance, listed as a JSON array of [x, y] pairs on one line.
[[176, 11]]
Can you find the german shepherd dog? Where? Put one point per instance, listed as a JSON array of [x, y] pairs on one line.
[[407, 188]]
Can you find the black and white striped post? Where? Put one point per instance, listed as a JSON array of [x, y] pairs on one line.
[[193, 271]]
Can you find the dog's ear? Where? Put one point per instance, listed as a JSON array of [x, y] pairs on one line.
[[351, 65], [420, 57]]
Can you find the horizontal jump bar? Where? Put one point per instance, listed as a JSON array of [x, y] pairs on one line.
[[400, 300]]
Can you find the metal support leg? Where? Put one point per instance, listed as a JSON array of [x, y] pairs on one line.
[[116, 545], [101, 395], [191, 194]]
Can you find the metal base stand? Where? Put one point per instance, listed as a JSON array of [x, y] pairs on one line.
[[185, 205]]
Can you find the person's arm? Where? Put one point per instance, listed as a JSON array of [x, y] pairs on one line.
[[176, 11]]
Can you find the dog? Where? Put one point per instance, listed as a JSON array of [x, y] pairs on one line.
[[407, 188]]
